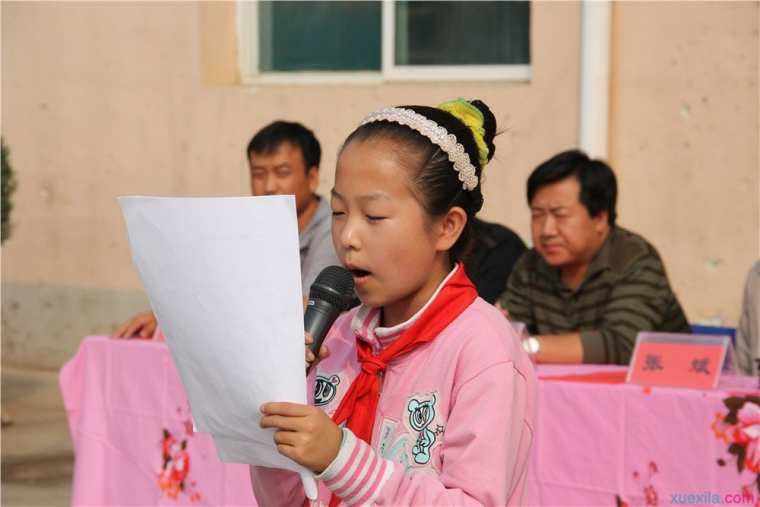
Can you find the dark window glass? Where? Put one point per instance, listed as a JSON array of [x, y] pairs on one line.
[[462, 33], [324, 35]]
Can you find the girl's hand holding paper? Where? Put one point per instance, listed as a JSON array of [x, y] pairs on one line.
[[304, 433]]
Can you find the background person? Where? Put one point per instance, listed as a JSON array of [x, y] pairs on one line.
[[588, 286], [493, 254], [283, 159], [748, 331]]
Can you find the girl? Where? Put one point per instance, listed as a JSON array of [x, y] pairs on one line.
[[426, 397]]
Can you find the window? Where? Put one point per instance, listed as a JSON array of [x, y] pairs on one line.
[[319, 36], [406, 40]]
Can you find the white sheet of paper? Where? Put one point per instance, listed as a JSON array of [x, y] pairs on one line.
[[223, 278]]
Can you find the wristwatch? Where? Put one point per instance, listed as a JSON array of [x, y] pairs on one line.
[[531, 345]]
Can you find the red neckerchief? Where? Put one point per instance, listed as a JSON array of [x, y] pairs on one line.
[[359, 404]]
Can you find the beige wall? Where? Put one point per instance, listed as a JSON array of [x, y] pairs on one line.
[[107, 99], [684, 140]]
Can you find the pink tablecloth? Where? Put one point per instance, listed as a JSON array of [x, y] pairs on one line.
[[126, 407], [595, 442]]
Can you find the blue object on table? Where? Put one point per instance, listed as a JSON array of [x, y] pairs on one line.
[[715, 330]]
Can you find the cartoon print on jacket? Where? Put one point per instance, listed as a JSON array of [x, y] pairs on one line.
[[421, 416], [325, 388]]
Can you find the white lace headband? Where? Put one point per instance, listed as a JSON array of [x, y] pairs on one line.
[[437, 134]]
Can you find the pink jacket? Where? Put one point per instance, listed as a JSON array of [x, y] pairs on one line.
[[454, 424]]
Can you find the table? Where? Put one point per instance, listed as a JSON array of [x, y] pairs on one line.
[[597, 441], [128, 413]]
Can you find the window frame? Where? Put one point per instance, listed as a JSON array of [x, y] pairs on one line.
[[248, 60]]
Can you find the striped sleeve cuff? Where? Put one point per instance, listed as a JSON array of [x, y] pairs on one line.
[[358, 473], [594, 347]]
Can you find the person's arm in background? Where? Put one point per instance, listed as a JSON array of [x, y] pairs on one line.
[[142, 325], [748, 330], [515, 299], [560, 348], [641, 301]]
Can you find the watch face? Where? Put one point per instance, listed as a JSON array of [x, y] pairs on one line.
[[531, 345]]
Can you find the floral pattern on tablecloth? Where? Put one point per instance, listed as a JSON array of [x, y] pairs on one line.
[[740, 429], [173, 478], [648, 490]]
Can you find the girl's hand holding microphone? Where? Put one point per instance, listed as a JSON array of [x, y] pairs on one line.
[[310, 358]]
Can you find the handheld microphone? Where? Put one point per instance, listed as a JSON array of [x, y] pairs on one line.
[[331, 293]]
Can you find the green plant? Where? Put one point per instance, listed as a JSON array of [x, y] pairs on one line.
[[8, 183]]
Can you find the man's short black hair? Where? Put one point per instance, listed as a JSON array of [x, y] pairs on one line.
[[273, 135], [598, 183]]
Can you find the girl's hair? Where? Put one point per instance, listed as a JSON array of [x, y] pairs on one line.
[[436, 182]]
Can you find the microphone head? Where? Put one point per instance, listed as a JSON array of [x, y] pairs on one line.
[[335, 285]]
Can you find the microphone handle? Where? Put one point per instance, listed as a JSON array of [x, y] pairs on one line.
[[317, 320]]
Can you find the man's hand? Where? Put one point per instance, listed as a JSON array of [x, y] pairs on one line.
[[323, 351], [304, 434], [140, 326]]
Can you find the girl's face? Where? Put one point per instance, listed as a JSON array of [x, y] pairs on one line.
[[395, 251]]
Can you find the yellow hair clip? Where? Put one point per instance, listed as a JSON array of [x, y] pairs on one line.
[[473, 118]]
